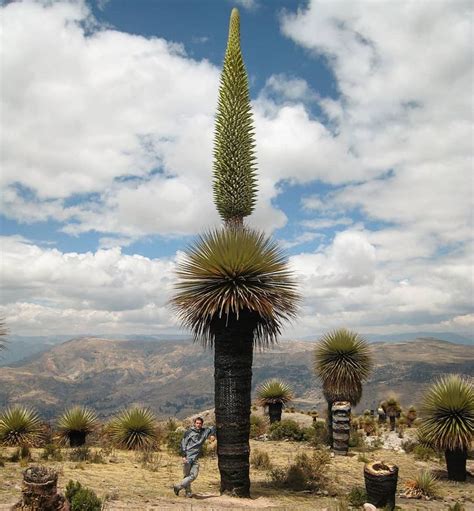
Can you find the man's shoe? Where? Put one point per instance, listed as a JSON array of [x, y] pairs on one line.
[[176, 489]]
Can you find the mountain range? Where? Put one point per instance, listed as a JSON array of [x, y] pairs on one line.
[[175, 377]]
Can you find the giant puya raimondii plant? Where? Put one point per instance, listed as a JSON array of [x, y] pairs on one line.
[[234, 288]]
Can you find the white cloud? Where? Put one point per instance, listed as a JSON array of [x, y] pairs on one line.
[[405, 107], [246, 4], [127, 121], [104, 291]]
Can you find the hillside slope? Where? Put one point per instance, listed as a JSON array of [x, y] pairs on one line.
[[176, 377]]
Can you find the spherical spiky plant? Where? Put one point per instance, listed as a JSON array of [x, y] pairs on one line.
[[20, 426], [343, 361], [274, 394], [448, 421], [235, 182], [75, 424], [231, 273], [134, 428]]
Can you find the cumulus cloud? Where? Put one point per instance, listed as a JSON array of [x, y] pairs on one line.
[[102, 291], [405, 110], [111, 132]]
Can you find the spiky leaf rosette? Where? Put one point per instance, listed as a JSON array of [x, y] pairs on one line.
[[134, 428], [274, 391], [448, 413], [228, 271], [343, 360], [234, 156], [20, 426], [77, 419]]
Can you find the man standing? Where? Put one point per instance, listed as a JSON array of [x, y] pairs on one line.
[[191, 446]]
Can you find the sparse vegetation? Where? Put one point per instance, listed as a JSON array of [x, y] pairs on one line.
[[20, 426], [51, 452], [260, 460], [258, 426], [85, 499], [423, 453], [75, 424], [307, 472], [424, 485], [357, 496], [135, 428], [286, 429]]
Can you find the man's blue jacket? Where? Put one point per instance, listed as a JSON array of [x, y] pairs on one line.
[[192, 441]]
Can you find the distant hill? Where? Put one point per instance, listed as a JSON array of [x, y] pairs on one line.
[[176, 377]]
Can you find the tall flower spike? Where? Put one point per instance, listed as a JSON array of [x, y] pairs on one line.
[[235, 183]]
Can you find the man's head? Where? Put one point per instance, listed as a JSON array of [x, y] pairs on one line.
[[198, 422]]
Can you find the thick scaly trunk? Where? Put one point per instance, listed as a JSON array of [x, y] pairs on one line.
[[341, 427], [77, 438], [233, 354], [456, 464], [274, 412], [329, 424]]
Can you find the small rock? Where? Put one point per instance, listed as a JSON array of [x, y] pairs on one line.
[[369, 507]]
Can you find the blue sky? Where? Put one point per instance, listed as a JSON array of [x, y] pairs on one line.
[[364, 143]]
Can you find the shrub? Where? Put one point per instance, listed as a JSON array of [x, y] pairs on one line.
[[75, 424], [409, 445], [85, 500], [80, 454], [21, 453], [135, 429], [357, 496], [425, 484], [258, 426], [260, 460], [97, 457], [286, 429], [320, 434], [305, 473], [456, 507], [149, 460], [72, 487], [423, 453], [173, 441], [51, 451], [20, 426], [356, 440]]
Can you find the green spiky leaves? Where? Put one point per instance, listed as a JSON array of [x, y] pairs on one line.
[[234, 156], [20, 426], [229, 271], [274, 391], [448, 410], [343, 360], [134, 429], [76, 420]]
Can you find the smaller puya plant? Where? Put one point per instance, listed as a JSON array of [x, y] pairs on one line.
[[274, 394], [75, 424], [20, 426]]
